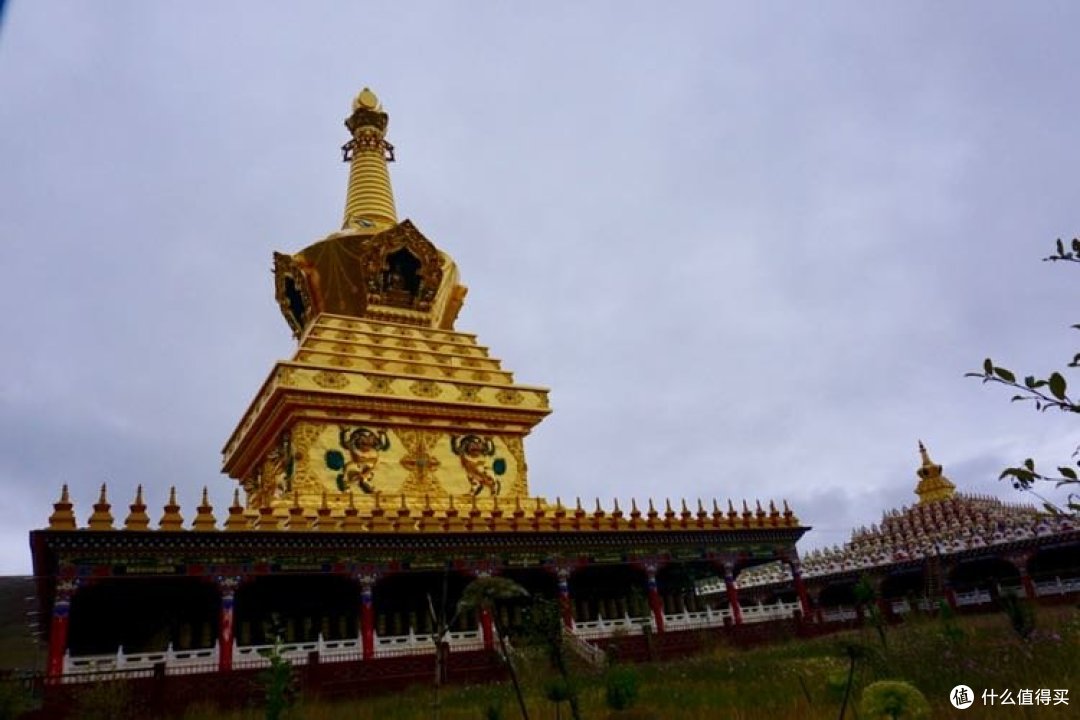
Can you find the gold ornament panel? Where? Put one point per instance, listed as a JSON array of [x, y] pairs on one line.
[[366, 459]]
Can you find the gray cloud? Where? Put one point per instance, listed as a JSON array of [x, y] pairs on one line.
[[752, 249]]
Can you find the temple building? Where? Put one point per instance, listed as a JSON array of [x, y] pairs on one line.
[[954, 547], [379, 470]]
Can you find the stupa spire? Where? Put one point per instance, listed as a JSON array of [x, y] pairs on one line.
[[369, 201], [933, 485]]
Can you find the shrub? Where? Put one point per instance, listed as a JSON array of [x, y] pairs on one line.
[[622, 688], [893, 700], [1020, 613]]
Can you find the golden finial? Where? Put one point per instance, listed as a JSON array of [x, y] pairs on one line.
[[101, 518], [351, 521], [366, 99], [62, 517], [616, 504], [369, 201], [137, 519], [324, 520], [236, 520], [598, 510], [171, 519], [297, 520], [579, 509], [925, 456], [204, 514]]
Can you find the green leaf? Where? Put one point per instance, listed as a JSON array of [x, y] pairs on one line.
[[1076, 245], [1060, 247], [1067, 472], [988, 366], [1057, 386], [1030, 464], [1004, 374], [1030, 381]]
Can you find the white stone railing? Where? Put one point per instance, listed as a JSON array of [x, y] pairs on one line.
[[1057, 586], [120, 662], [902, 607], [584, 649], [973, 597], [689, 620], [839, 614], [601, 628], [179, 662], [780, 610]]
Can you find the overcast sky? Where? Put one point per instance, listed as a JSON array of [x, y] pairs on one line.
[[751, 247]]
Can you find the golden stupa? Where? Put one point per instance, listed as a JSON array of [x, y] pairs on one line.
[[384, 407]]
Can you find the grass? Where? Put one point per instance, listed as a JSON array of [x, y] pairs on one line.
[[795, 679]]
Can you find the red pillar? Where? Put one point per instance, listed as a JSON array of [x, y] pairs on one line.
[[1028, 583], [487, 631], [950, 597], [58, 628], [655, 603], [565, 604], [732, 594], [227, 586], [885, 608], [367, 617]]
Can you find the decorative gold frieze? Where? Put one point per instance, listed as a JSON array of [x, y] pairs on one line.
[[425, 388], [330, 379]]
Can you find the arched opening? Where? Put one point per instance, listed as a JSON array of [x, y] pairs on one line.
[[401, 602], [400, 279], [608, 591], [143, 615], [297, 608], [838, 594], [983, 575], [905, 585], [1052, 564], [537, 582], [678, 583]]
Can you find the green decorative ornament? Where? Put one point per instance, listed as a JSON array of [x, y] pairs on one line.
[[498, 466], [335, 460]]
